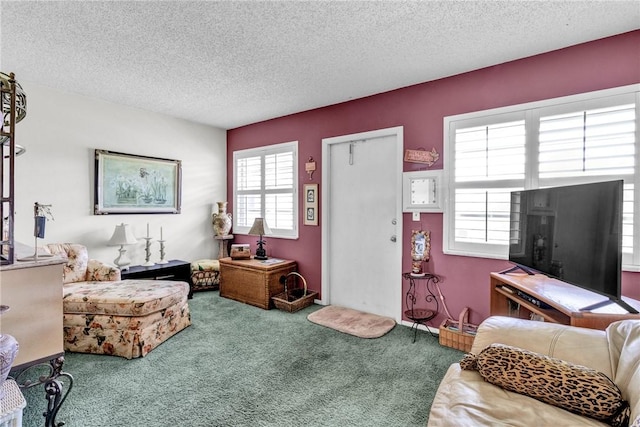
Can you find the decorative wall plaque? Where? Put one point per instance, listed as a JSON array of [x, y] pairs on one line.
[[421, 156]]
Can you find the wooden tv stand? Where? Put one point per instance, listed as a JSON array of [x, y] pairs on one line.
[[564, 300]]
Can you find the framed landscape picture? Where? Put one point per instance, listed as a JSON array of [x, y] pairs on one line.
[[130, 184]]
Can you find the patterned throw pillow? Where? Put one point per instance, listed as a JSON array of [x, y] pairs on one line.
[[576, 388]]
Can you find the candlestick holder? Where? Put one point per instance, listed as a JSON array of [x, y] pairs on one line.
[[162, 253], [147, 250]]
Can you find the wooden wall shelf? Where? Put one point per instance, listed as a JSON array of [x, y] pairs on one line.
[[565, 301]]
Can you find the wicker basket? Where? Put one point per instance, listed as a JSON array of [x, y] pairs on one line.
[[293, 300], [458, 334]]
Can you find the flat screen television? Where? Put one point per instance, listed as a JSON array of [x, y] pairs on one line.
[[572, 233]]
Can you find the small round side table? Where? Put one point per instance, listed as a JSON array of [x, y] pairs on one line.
[[422, 314]]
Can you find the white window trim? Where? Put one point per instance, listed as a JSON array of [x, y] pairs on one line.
[[530, 110], [259, 151]]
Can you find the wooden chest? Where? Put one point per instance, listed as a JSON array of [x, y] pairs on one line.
[[252, 281]]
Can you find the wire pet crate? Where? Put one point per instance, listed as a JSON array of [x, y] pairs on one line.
[[292, 300]]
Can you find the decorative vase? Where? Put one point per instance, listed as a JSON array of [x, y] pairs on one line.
[[221, 220], [8, 351]]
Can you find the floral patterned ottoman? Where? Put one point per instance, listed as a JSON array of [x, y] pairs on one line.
[[127, 318]]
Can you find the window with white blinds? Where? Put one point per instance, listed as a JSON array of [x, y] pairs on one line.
[[593, 142], [572, 140], [265, 185], [490, 152]]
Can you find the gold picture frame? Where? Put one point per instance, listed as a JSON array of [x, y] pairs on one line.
[[310, 204], [420, 250]]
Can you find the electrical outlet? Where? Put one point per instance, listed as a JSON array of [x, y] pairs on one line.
[[416, 216]]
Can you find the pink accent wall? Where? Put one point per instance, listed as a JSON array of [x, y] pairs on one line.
[[601, 64]]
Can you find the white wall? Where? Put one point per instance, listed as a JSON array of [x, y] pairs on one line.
[[61, 131]]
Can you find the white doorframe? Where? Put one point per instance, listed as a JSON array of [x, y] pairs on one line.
[[396, 262]]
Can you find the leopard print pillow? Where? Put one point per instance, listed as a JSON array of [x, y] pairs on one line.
[[575, 388]]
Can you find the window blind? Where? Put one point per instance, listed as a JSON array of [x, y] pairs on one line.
[[564, 141], [591, 143], [494, 152], [265, 186], [588, 143], [484, 155]]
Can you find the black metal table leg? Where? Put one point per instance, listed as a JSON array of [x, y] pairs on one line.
[[53, 381], [421, 315]]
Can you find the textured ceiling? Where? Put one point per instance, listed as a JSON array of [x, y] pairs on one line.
[[231, 63]]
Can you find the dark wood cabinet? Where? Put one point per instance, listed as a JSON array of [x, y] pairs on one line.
[[173, 270]]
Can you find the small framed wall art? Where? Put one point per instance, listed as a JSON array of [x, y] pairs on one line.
[[132, 184], [311, 204]]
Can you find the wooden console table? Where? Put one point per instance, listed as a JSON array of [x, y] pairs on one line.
[[252, 281], [560, 302]]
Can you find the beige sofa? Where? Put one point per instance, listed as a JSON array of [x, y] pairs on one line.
[[464, 398]]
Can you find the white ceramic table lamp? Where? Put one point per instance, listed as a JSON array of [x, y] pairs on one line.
[[122, 236]]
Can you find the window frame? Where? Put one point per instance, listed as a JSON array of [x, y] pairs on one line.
[[532, 112], [262, 152]]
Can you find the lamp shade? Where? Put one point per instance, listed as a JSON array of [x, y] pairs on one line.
[[122, 235], [259, 228]]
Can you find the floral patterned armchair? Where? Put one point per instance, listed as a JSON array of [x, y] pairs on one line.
[[79, 268]]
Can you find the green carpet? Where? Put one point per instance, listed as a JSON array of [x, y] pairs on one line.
[[238, 365]]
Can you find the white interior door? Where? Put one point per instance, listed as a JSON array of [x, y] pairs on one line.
[[363, 222]]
